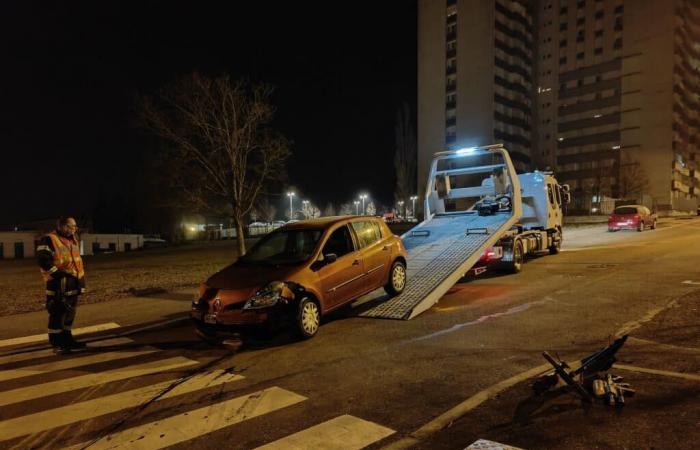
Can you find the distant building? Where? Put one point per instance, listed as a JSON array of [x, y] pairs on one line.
[[18, 244], [475, 77], [22, 244], [603, 92]]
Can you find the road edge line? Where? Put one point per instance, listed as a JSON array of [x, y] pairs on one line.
[[685, 376], [449, 416]]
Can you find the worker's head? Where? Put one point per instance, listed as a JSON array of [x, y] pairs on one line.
[[67, 226]]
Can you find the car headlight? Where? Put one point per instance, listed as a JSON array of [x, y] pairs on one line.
[[266, 297]]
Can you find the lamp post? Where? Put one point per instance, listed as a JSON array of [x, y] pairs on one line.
[[305, 208], [363, 197], [413, 208], [291, 205], [400, 207], [357, 207]]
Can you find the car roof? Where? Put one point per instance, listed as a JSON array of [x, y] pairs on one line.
[[323, 222]]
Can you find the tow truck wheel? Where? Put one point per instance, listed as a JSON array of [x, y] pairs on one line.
[[516, 265], [308, 318], [397, 279], [555, 248]]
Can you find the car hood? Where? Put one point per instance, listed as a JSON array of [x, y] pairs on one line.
[[249, 276]]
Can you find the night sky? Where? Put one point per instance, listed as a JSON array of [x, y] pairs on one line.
[[71, 72]]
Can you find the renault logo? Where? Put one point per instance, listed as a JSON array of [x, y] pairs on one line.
[[217, 304]]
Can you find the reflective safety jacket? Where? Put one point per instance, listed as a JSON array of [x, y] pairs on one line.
[[58, 258]]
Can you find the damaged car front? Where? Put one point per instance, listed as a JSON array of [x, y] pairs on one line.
[[260, 290]]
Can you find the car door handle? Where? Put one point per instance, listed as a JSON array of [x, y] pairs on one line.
[[356, 262], [385, 248]]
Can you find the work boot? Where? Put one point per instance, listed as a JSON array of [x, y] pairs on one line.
[[70, 342], [58, 343], [62, 350]]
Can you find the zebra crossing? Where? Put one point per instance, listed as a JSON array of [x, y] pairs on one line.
[[76, 377]]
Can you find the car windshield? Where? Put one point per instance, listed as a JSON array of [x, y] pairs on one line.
[[626, 210], [283, 247]]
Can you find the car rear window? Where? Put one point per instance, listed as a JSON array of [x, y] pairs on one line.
[[626, 210]]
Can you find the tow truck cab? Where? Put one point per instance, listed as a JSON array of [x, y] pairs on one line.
[[539, 228]]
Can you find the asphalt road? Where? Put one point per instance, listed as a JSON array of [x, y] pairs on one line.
[[368, 382]]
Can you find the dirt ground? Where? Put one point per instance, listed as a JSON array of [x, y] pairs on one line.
[[664, 413], [117, 275]]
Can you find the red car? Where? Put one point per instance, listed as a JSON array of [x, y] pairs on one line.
[[632, 217]]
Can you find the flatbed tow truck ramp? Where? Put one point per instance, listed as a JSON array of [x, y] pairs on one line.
[[472, 199]]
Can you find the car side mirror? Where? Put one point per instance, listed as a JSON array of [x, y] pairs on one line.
[[327, 259]]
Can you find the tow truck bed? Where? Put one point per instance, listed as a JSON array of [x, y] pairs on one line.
[[440, 251]]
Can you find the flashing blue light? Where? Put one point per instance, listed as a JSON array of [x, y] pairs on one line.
[[465, 151]]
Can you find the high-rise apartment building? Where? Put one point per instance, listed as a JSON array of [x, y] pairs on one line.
[[603, 92], [475, 77]]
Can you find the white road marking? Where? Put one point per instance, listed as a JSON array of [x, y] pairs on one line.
[[92, 379], [18, 357], [65, 415], [64, 364], [691, 282], [467, 405], [43, 337], [342, 433], [183, 427], [685, 376]]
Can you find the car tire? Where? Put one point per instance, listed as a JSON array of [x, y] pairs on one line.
[[611, 230], [653, 225], [516, 264], [397, 279], [308, 318], [640, 227]]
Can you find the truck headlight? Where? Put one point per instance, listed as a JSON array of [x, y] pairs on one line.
[[266, 297]]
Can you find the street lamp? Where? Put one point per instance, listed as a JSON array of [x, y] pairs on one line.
[[363, 197], [400, 205], [291, 205], [413, 208], [305, 208], [357, 207]]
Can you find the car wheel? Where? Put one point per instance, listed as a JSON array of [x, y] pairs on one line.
[[516, 265], [397, 279], [611, 230], [653, 225], [308, 318], [640, 227]]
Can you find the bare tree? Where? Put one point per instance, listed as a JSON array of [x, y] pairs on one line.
[[329, 210], [310, 211], [222, 149], [265, 209], [633, 180], [405, 156], [347, 209], [371, 209]]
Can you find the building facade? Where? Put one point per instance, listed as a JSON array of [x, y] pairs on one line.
[[603, 92], [475, 77]]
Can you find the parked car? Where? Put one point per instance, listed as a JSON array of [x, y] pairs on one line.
[[298, 273], [631, 217], [391, 218]]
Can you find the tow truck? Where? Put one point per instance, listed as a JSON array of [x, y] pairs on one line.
[[478, 213]]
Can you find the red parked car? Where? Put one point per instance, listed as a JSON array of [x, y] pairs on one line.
[[632, 217]]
